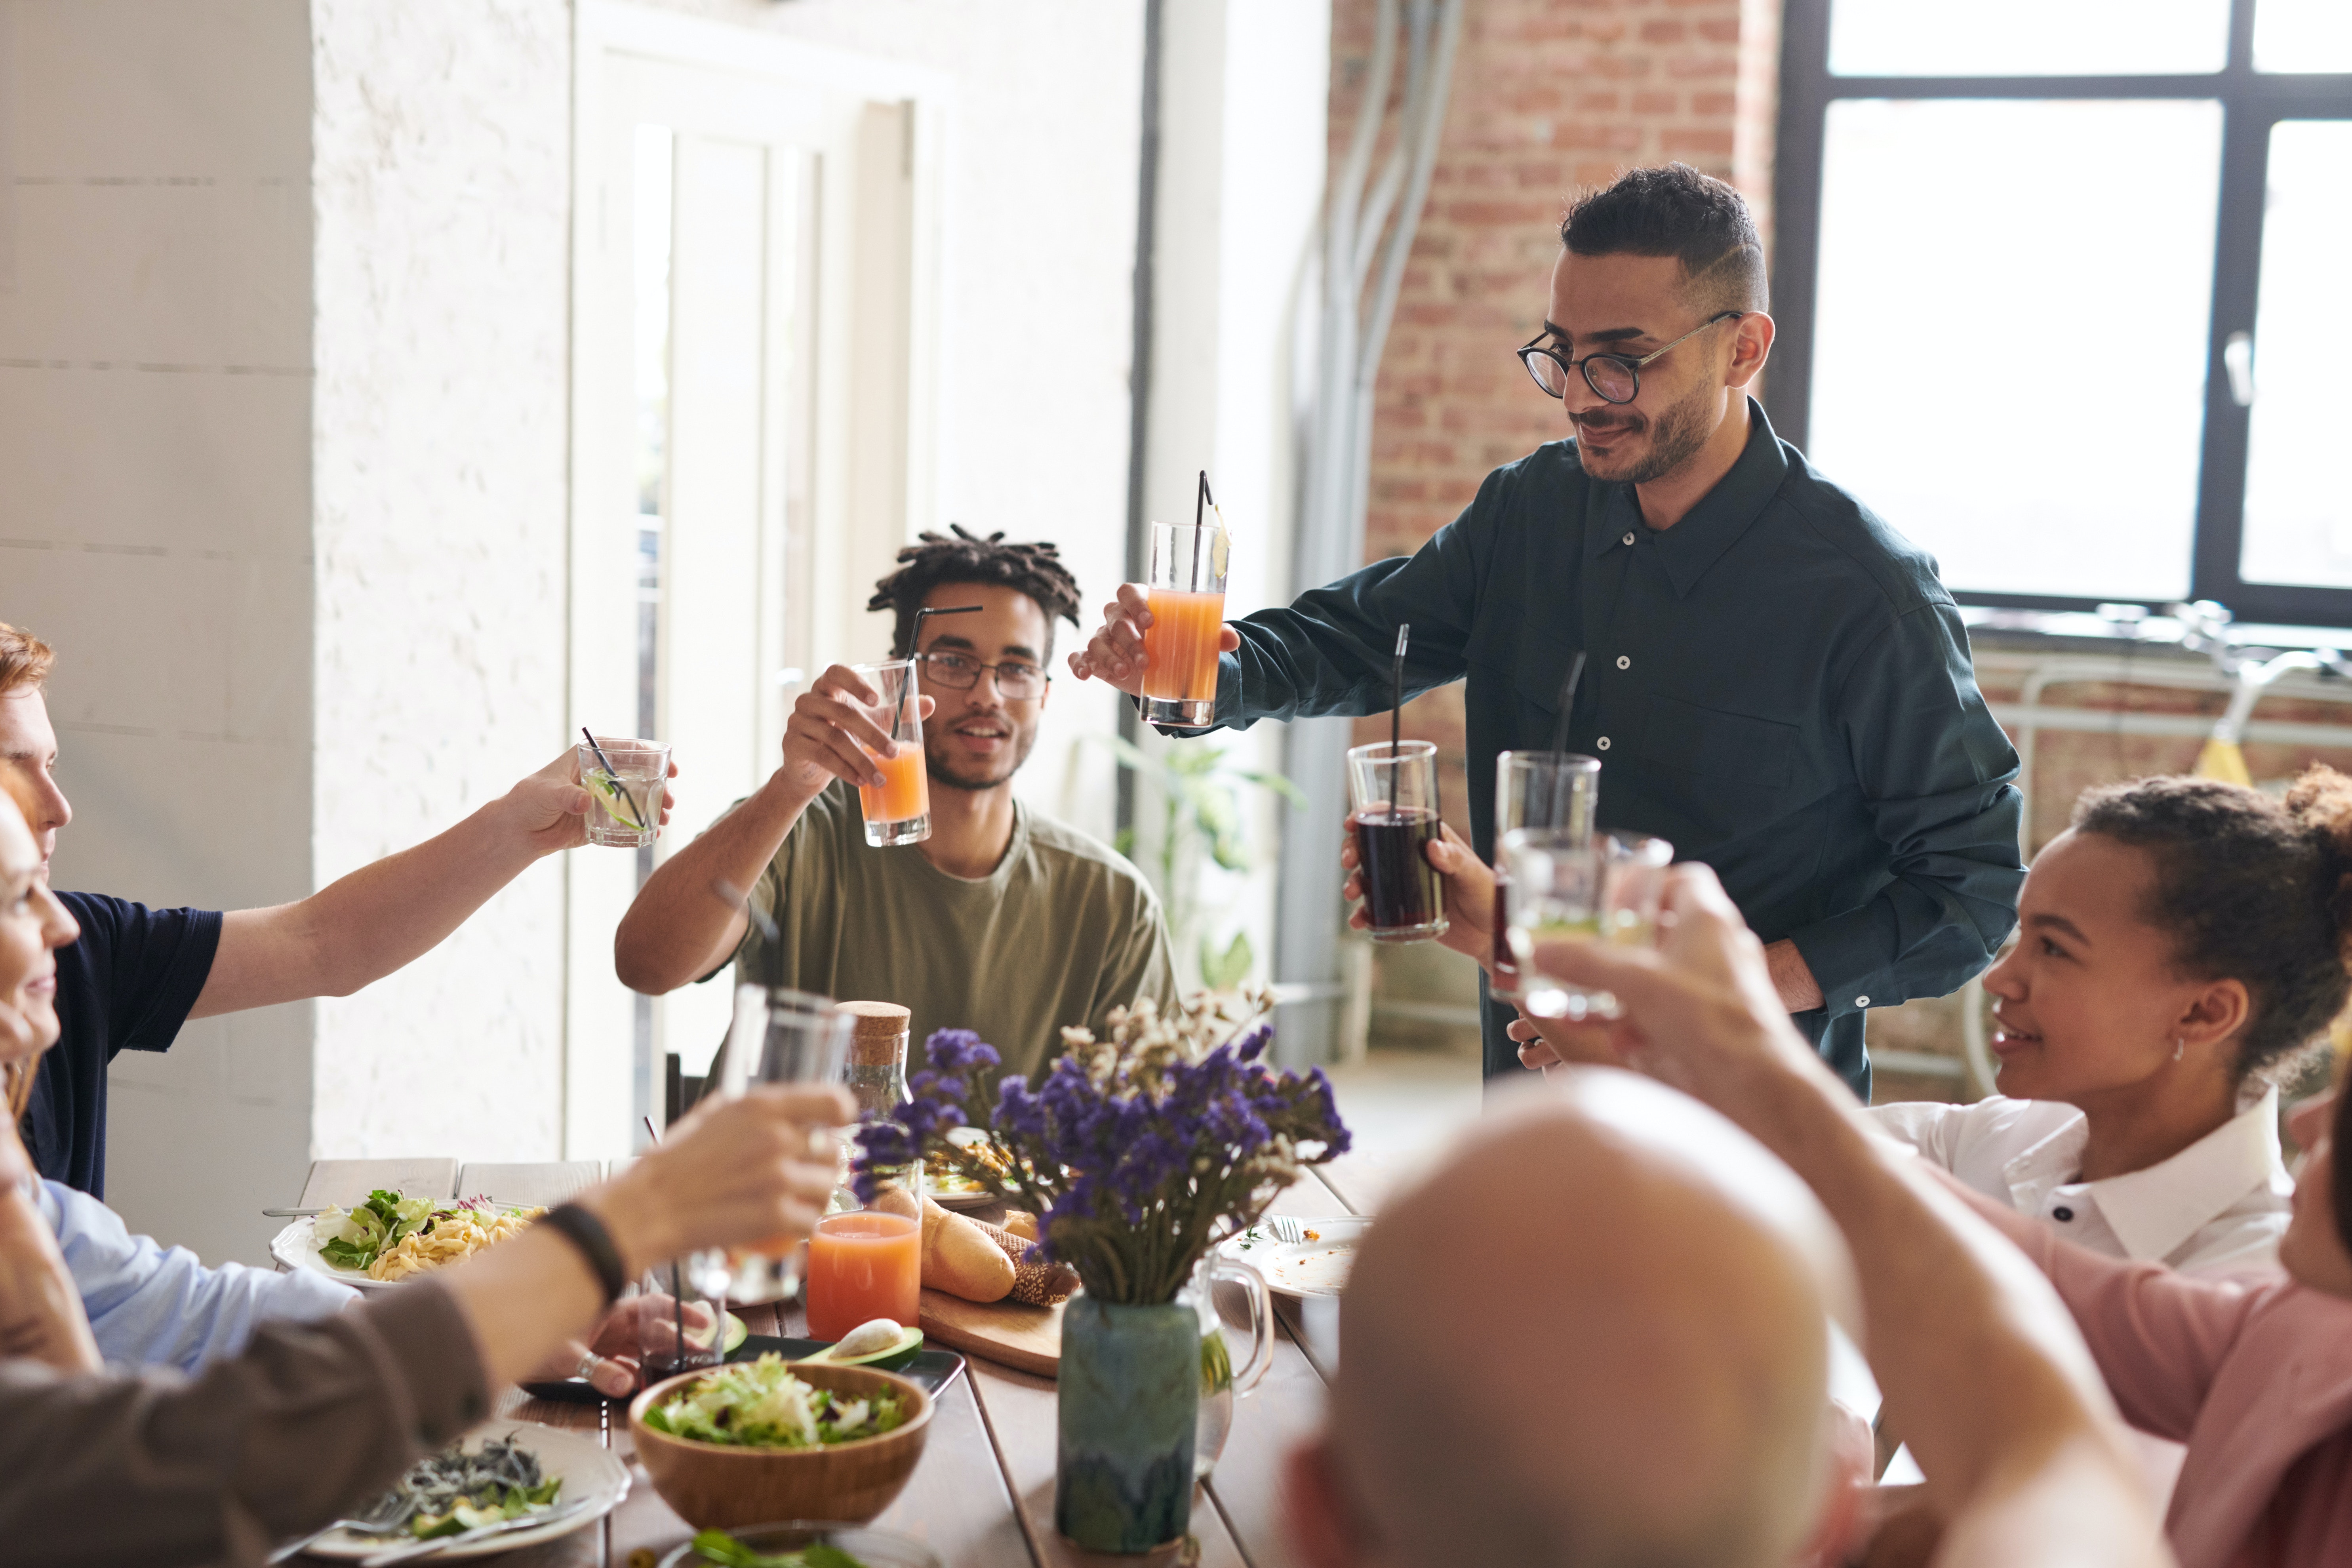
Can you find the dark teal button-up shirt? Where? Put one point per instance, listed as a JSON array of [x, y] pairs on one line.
[[1777, 684]]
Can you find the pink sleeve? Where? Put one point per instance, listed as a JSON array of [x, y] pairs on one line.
[[2158, 1336]]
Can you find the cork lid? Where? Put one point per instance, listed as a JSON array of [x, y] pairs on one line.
[[878, 1032]]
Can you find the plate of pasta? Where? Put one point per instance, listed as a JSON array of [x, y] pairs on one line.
[[391, 1237]]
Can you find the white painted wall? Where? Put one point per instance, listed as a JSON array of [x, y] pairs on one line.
[[294, 513], [154, 408], [442, 183]]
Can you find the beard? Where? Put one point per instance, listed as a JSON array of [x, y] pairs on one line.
[[944, 775], [1676, 434]]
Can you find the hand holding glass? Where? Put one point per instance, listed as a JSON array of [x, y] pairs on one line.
[[778, 1036], [1562, 891]]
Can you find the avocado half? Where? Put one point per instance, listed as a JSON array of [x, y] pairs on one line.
[[890, 1358]]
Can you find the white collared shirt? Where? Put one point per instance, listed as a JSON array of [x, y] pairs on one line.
[[2219, 1207]]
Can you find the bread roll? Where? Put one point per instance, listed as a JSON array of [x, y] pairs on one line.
[[1023, 1223], [1034, 1283], [960, 1258]]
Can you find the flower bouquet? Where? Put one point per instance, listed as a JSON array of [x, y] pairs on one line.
[[1135, 1154], [1138, 1152]]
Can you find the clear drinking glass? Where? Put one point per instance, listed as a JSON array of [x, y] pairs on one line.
[[1393, 793], [898, 809], [627, 795], [1603, 891], [1557, 790], [680, 1312], [779, 1035], [1187, 599]]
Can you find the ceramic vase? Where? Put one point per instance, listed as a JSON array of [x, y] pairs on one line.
[[1130, 1397]]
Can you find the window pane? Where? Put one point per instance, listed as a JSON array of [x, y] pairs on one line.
[[2009, 359], [2299, 513], [2302, 35], [2032, 37]]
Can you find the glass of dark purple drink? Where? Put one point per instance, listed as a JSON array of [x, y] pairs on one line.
[[1393, 790]]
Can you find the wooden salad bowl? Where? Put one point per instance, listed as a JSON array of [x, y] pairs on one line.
[[717, 1485]]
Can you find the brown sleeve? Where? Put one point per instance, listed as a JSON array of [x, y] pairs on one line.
[[160, 1468]]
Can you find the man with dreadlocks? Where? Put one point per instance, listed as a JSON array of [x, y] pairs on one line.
[[1002, 921]]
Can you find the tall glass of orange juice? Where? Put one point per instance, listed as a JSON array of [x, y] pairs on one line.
[[861, 1265], [898, 809], [1187, 599]]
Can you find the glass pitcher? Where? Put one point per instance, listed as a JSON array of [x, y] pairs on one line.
[[1220, 1384]]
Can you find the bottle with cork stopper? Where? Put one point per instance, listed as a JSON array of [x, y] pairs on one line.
[[877, 1055], [877, 1079]]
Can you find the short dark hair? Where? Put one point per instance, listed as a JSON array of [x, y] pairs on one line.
[[2250, 889], [1036, 570], [1677, 211]]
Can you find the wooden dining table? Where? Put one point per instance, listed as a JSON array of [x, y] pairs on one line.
[[983, 1496]]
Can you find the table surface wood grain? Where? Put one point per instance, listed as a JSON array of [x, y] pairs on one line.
[[983, 1496]]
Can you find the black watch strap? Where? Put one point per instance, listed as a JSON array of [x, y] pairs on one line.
[[587, 1233]]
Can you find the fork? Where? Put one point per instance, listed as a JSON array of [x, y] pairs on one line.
[[383, 1524], [1286, 1228], [427, 1548]]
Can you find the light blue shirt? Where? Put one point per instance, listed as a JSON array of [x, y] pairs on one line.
[[150, 1305]]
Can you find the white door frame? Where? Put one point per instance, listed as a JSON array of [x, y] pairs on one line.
[[863, 465]]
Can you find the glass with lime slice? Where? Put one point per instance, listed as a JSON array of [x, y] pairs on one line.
[[1564, 888], [625, 780]]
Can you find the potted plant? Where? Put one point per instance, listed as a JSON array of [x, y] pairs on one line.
[[1137, 1154]]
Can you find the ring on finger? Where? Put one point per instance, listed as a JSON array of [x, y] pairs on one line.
[[586, 1370]]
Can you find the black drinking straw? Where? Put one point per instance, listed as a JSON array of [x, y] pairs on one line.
[[914, 643], [1396, 689], [1203, 500], [1567, 701]]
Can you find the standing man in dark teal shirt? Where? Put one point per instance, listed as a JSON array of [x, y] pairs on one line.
[[1776, 682]]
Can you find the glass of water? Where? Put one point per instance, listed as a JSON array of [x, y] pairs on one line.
[[1535, 789], [626, 780], [779, 1035], [1607, 889]]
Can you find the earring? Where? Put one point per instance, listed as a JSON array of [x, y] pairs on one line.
[[2179, 1043]]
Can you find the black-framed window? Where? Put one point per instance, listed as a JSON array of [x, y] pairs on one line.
[[2062, 290]]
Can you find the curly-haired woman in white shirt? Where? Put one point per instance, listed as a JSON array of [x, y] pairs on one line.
[[2180, 949]]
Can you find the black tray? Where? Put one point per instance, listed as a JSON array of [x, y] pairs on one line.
[[936, 1369]]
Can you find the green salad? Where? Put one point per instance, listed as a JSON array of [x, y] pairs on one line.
[[760, 1405], [718, 1546], [374, 1228]]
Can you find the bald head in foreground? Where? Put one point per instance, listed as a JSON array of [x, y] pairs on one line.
[[1598, 1334]]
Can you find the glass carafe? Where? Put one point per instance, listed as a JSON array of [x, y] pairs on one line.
[[1220, 1383]]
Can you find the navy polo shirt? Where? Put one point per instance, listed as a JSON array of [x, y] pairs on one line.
[[1777, 684], [126, 986]]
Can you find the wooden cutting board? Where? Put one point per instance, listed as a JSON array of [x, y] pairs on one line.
[[1028, 1338]]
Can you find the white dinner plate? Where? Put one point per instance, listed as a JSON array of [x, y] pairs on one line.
[[297, 1246], [959, 1198], [1315, 1267], [591, 1475], [956, 1198]]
